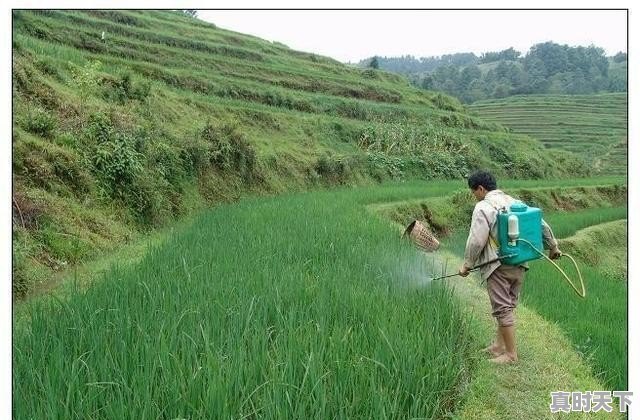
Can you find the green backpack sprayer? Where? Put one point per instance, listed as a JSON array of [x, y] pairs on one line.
[[519, 240]]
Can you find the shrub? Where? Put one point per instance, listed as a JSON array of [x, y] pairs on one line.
[[40, 122], [116, 161], [124, 88], [113, 155], [147, 197], [333, 168], [166, 160], [446, 103], [382, 165], [195, 155], [86, 79], [229, 149], [66, 140], [459, 121]]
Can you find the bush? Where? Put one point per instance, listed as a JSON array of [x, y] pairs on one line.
[[66, 140], [148, 197], [333, 168], [229, 149], [40, 122], [461, 121], [166, 160], [113, 155], [194, 155], [446, 103], [382, 165], [124, 88], [86, 79]]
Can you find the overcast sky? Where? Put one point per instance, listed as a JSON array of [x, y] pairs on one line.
[[354, 35]]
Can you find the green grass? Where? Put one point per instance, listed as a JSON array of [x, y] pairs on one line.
[[595, 325], [260, 308], [300, 120], [563, 345], [283, 307], [594, 126]]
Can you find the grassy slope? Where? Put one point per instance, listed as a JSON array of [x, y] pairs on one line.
[[171, 114], [593, 125]]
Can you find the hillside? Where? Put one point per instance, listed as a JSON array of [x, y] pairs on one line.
[[594, 126], [168, 114]]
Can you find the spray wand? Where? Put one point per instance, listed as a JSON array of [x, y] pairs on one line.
[[476, 267]]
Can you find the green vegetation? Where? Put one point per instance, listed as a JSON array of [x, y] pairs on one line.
[[169, 114], [282, 307], [596, 325], [546, 68], [300, 305], [286, 307], [588, 222], [594, 126], [602, 245]]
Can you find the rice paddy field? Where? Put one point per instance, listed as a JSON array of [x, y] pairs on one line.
[[594, 126], [300, 305]]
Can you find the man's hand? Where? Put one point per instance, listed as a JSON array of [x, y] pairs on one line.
[[554, 253], [463, 271]]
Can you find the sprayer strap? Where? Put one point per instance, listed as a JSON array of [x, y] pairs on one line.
[[492, 241]]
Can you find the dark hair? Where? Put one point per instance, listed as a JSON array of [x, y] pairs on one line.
[[483, 178]]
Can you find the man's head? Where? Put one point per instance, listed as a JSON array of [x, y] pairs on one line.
[[480, 183]]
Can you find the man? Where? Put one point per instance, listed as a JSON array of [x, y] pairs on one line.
[[503, 281]]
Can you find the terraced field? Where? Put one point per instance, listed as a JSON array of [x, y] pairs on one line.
[[169, 114], [594, 126]]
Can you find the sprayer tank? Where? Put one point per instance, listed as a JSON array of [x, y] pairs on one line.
[[520, 222]]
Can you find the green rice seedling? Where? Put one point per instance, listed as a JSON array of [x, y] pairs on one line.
[[286, 307]]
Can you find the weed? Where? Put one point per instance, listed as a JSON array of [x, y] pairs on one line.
[[40, 122]]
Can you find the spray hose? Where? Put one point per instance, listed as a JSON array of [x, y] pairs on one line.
[[584, 293]]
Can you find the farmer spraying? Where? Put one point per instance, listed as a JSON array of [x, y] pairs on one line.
[[504, 281]]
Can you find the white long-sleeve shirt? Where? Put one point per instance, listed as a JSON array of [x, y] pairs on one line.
[[484, 228]]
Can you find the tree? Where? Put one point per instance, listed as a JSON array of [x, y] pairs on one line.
[[553, 56], [427, 83], [509, 54], [500, 91], [190, 12], [469, 74], [374, 63], [617, 83], [620, 57]]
